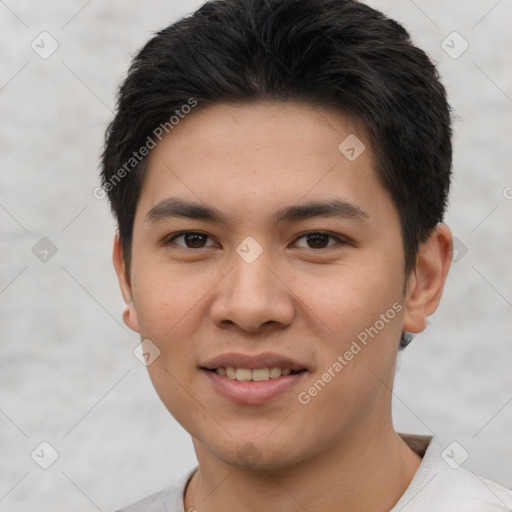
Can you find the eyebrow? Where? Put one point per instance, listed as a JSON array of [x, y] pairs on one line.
[[176, 207]]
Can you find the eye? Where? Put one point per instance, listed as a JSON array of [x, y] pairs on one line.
[[197, 240], [318, 240], [191, 239]]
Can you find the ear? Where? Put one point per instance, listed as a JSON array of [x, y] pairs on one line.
[[130, 313], [426, 281]]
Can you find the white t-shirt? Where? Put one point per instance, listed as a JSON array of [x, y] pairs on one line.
[[438, 486]]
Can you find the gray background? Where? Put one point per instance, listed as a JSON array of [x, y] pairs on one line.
[[68, 375]]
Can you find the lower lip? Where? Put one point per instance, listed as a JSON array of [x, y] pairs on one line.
[[252, 392]]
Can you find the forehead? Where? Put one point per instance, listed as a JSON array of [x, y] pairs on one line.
[[259, 156], [252, 126]]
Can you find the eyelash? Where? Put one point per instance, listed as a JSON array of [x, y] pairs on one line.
[[169, 240]]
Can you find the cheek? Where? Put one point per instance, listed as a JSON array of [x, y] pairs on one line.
[[352, 298], [168, 310], [174, 386], [364, 312], [162, 299]]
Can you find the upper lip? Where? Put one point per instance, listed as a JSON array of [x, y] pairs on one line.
[[252, 361]]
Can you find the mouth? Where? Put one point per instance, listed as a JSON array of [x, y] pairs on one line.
[[256, 374], [253, 386], [253, 378]]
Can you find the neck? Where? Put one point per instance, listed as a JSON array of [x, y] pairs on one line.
[[368, 473]]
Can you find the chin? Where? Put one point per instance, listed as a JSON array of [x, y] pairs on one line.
[[261, 454]]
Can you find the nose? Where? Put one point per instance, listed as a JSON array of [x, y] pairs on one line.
[[254, 297]]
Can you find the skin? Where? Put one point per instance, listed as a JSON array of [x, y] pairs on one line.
[[299, 299]]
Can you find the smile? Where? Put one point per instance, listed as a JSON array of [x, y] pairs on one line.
[[257, 374], [253, 386]]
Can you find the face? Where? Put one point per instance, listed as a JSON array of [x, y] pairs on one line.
[[256, 276]]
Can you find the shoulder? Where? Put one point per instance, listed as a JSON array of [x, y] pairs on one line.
[[462, 488], [442, 484], [169, 499]]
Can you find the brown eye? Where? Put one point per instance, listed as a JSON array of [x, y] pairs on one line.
[[191, 239], [318, 240]]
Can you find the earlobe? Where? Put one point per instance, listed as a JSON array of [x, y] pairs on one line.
[[426, 282], [129, 313]]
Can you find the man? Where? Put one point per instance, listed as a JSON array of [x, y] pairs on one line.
[[279, 171]]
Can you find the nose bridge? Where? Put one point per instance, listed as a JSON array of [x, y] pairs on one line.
[[251, 275], [251, 295]]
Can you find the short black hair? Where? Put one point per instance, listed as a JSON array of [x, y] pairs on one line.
[[336, 54]]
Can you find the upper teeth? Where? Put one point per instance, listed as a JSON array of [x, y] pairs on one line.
[[257, 374]]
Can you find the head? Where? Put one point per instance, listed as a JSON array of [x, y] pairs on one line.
[[245, 108]]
